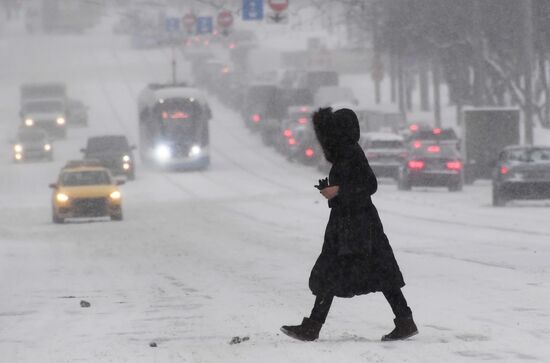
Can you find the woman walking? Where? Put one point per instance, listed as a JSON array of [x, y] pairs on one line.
[[356, 257]]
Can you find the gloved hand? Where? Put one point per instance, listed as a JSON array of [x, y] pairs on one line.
[[323, 183]]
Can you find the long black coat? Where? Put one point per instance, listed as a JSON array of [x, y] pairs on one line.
[[356, 257]]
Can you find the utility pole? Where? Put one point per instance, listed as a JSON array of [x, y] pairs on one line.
[[479, 69], [528, 45], [436, 77]]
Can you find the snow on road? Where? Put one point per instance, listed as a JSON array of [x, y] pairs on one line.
[[205, 256]]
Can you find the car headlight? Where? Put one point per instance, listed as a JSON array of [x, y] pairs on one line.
[[62, 198], [195, 150], [163, 153], [18, 148], [60, 121], [47, 147], [115, 195], [126, 158], [29, 122]]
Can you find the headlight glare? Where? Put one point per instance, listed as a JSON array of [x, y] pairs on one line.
[[62, 198], [60, 121], [115, 195], [47, 147], [163, 153], [29, 122], [126, 158], [195, 150], [18, 148]]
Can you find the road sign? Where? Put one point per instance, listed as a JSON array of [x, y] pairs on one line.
[[172, 24], [278, 5], [253, 9], [205, 25], [189, 21], [225, 19]]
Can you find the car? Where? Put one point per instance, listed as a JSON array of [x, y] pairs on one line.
[[86, 191], [521, 172], [418, 134], [114, 152], [46, 114], [77, 112], [432, 165], [386, 152], [297, 117], [263, 109], [32, 144]]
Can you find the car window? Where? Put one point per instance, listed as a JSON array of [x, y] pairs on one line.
[[119, 143], [43, 106], [528, 155], [436, 151], [83, 178]]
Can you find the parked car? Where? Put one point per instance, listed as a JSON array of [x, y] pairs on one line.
[[432, 165], [521, 172], [114, 152], [86, 191], [32, 144], [385, 152]]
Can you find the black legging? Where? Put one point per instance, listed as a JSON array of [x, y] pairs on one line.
[[395, 298]]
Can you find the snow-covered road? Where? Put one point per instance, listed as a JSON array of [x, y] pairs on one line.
[[205, 256]]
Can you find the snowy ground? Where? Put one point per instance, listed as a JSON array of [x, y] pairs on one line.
[[202, 257]]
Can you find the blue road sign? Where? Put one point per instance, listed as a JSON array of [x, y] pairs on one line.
[[205, 25], [253, 9], [172, 24]]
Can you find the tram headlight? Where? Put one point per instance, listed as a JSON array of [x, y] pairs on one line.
[[163, 153], [29, 122], [60, 121], [195, 150], [18, 148], [126, 158]]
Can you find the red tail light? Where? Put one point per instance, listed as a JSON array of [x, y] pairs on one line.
[[454, 165], [309, 152], [436, 131], [231, 45], [434, 149], [503, 170], [292, 141], [413, 127], [416, 164], [417, 144], [287, 133], [256, 118], [302, 120]]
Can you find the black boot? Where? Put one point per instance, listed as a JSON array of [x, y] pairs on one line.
[[404, 328], [307, 331]]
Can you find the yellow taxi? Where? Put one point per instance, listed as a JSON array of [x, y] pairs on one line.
[[86, 190]]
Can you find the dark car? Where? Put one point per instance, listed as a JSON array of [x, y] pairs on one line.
[[32, 144], [264, 108], [385, 152], [114, 153], [522, 172], [432, 165]]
